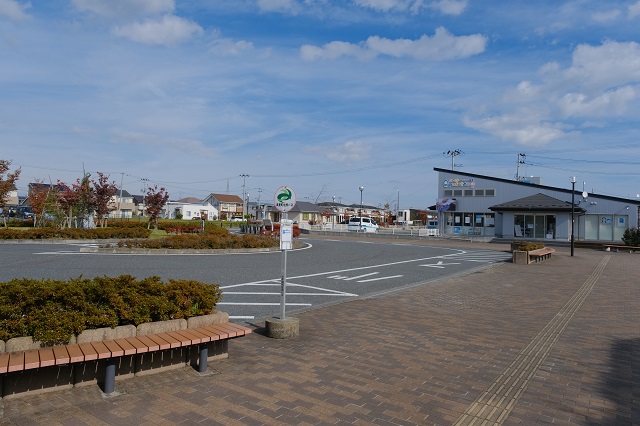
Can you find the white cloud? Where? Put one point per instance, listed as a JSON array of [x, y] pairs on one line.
[[608, 16], [349, 152], [287, 6], [610, 103], [450, 7], [169, 30], [442, 46], [634, 10], [523, 128], [597, 68], [14, 10], [125, 8], [602, 81]]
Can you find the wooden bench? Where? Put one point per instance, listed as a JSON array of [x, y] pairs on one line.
[[111, 350], [540, 254]]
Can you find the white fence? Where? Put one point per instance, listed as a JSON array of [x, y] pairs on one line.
[[330, 227]]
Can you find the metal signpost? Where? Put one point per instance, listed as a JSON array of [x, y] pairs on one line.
[[284, 201]]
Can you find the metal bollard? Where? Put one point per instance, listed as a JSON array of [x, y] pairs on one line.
[[110, 376], [204, 354]]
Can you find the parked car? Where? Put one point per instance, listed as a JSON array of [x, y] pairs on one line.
[[24, 212], [236, 219], [362, 224]]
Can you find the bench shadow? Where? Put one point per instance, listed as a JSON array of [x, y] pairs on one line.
[[622, 384]]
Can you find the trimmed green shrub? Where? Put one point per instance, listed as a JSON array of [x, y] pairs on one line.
[[51, 310], [73, 233], [203, 241], [631, 237]]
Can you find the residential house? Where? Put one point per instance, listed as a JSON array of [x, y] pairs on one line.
[[12, 197], [189, 209], [122, 205], [227, 205]]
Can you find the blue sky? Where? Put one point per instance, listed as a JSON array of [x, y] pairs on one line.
[[323, 96]]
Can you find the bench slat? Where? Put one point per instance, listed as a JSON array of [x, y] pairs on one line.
[[114, 348], [139, 346], [31, 359], [47, 358], [89, 351], [16, 361], [183, 338], [162, 344], [173, 342], [195, 338], [151, 345], [214, 333], [101, 350], [227, 329], [127, 347], [211, 334], [61, 354], [4, 363], [75, 353], [241, 328]]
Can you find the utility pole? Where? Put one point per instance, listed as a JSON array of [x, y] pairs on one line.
[[521, 160], [144, 193], [120, 199], [244, 184], [453, 154]]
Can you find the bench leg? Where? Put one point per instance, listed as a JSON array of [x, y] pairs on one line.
[[204, 354], [110, 376]]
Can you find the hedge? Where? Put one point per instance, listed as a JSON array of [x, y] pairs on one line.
[[51, 311], [73, 233], [203, 241]]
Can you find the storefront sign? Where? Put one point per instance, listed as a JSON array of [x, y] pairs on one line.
[[450, 183], [446, 204]]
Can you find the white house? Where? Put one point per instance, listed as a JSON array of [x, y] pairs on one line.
[[188, 209]]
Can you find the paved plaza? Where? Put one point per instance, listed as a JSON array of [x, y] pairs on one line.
[[556, 342]]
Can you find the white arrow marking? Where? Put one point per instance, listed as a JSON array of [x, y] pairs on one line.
[[440, 265]]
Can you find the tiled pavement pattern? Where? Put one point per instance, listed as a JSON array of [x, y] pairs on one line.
[[551, 343]]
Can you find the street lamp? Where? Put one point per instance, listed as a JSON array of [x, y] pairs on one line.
[[361, 189], [573, 207]]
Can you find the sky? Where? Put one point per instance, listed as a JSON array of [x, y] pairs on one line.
[[245, 96]]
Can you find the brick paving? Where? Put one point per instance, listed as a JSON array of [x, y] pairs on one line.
[[551, 343]]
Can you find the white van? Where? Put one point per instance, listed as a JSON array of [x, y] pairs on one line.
[[362, 224]]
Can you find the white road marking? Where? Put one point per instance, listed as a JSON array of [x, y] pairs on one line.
[[381, 278], [440, 264]]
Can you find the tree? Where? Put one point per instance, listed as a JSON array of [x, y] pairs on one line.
[[67, 200], [42, 198], [6, 185], [155, 201], [85, 201], [104, 192]]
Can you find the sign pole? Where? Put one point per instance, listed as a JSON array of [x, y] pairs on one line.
[[283, 284]]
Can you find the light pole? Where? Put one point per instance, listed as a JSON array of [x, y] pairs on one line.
[[361, 189], [573, 208]]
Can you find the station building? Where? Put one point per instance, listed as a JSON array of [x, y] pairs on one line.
[[475, 205]]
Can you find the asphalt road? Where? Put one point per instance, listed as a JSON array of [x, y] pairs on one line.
[[326, 271]]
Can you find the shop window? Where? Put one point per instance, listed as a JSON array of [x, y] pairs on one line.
[[468, 219]]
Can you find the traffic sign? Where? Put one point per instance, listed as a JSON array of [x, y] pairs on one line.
[[284, 199]]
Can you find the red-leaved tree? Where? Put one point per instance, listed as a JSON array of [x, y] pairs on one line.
[[155, 200], [103, 192]]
